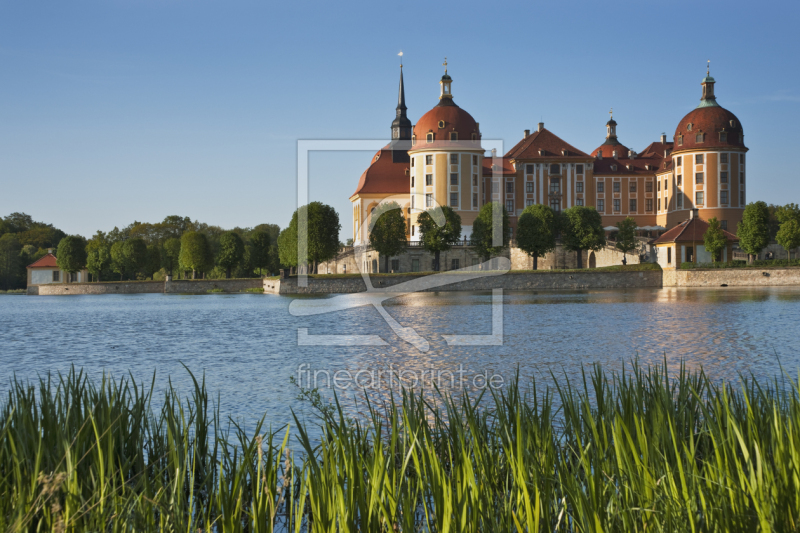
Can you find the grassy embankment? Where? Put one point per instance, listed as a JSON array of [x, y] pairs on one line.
[[625, 452]]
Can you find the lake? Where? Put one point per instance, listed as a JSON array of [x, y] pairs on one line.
[[247, 344]]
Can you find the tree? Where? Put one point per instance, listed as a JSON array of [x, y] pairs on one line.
[[321, 228], [231, 252], [195, 253], [260, 247], [789, 235], [153, 262], [583, 230], [753, 230], [626, 236], [10, 260], [714, 239], [536, 231], [171, 254], [118, 262], [135, 253], [484, 232], [98, 255], [71, 254], [388, 233], [435, 237]]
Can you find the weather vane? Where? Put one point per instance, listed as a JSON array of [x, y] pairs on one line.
[[401, 58], [445, 65], [708, 68], [611, 112]]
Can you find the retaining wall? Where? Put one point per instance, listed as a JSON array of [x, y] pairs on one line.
[[510, 282], [145, 287], [732, 277]]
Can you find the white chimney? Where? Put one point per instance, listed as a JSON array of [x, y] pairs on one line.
[[541, 126], [599, 154], [494, 152], [525, 135], [663, 138], [694, 213]]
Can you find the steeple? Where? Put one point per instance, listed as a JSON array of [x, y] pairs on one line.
[[446, 94], [611, 130], [401, 125], [708, 99]]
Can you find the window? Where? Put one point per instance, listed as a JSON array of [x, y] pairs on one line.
[[601, 187], [680, 179], [555, 185], [633, 186], [453, 159], [474, 199], [648, 204], [510, 206], [395, 265], [414, 140], [669, 255], [741, 178], [475, 160], [741, 158], [723, 197], [723, 137], [616, 205], [510, 186], [741, 198], [455, 264], [723, 158], [555, 205], [680, 160], [658, 203], [429, 137], [723, 177], [680, 200], [429, 200], [528, 203], [453, 136], [601, 205], [555, 169], [495, 187], [579, 201], [453, 199], [428, 179], [474, 180], [412, 230], [415, 265], [56, 276], [689, 127], [698, 198], [665, 184], [474, 137], [412, 161], [648, 186], [699, 137], [578, 186], [579, 169], [413, 196], [529, 187], [698, 159], [454, 179], [528, 169], [658, 186], [633, 206], [698, 178], [680, 140], [616, 186], [428, 159], [412, 182], [723, 224]]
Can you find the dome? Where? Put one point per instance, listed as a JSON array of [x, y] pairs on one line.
[[711, 122], [451, 118], [608, 150]]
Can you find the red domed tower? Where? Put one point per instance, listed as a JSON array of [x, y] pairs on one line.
[[709, 163], [446, 161]]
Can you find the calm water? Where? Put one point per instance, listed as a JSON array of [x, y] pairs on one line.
[[247, 344]]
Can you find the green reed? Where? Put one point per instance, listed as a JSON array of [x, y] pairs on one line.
[[636, 450]]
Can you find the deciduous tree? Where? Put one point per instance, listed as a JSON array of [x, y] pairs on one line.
[[582, 230], [231, 252], [714, 240], [320, 224], [536, 231], [440, 229], [789, 235], [626, 236], [260, 246], [10, 260], [171, 254], [98, 255], [485, 233], [118, 262], [753, 230], [135, 252], [195, 253], [71, 254], [388, 233]]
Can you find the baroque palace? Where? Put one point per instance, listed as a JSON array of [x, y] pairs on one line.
[[440, 161]]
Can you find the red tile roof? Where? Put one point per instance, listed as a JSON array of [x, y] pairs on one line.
[[710, 121], [608, 150], [637, 166], [48, 261], [657, 149], [691, 230], [553, 146], [454, 119], [384, 175], [505, 167]]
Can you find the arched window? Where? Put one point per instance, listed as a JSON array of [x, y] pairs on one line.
[[430, 138], [453, 136], [474, 137]]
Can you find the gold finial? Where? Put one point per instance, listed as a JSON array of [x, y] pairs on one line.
[[708, 68], [401, 58], [445, 65], [611, 113]]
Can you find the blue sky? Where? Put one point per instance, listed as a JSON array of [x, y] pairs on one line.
[[113, 111]]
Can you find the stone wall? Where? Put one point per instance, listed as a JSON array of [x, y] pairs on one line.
[[145, 287], [732, 277], [512, 281]]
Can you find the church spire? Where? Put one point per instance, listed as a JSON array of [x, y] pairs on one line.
[[611, 130], [401, 97], [708, 99], [401, 126]]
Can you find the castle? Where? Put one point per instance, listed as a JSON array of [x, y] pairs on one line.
[[440, 161]]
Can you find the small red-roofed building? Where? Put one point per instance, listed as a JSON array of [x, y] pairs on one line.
[[684, 244], [45, 271]]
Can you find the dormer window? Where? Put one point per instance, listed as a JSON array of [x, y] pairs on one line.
[[563, 152], [723, 136], [414, 140], [689, 127], [680, 140], [541, 152], [441, 124], [430, 138], [700, 137], [614, 168], [733, 123], [614, 154], [453, 136], [474, 137]]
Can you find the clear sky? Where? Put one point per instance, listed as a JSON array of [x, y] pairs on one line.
[[113, 111]]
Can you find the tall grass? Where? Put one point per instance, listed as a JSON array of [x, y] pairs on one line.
[[628, 451]]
